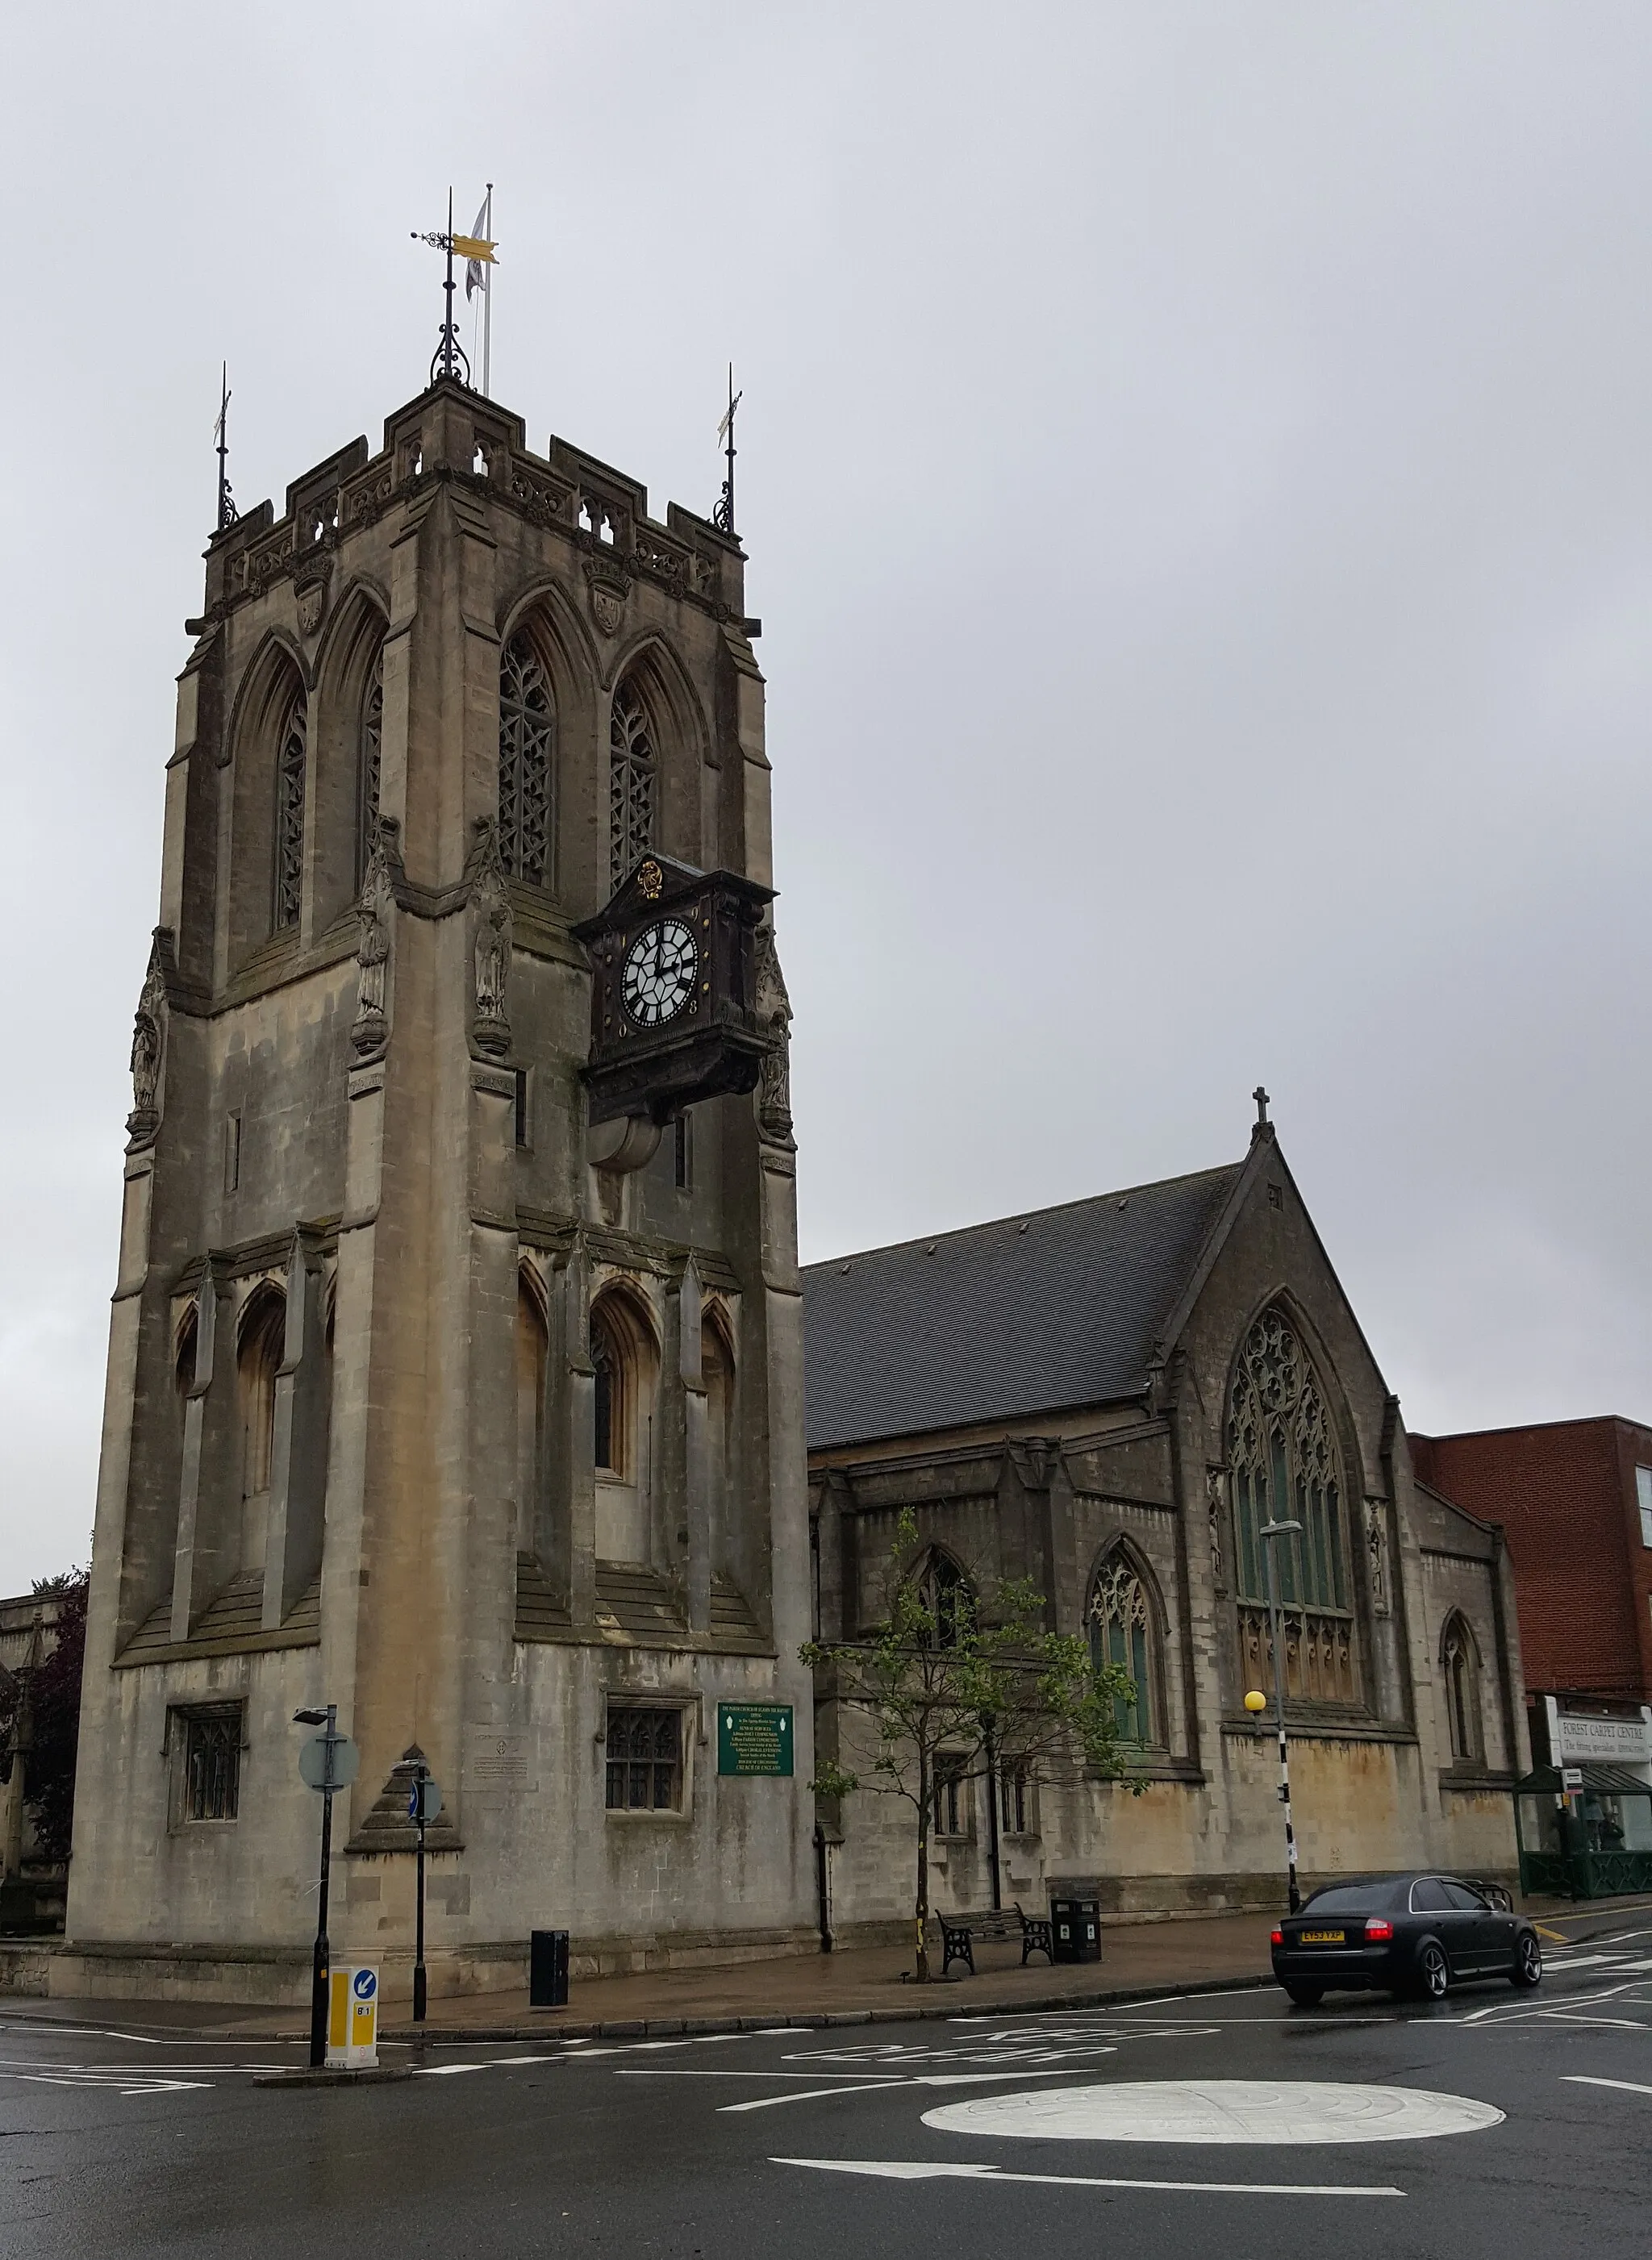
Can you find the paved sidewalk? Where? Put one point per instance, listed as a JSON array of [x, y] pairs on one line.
[[864, 1986]]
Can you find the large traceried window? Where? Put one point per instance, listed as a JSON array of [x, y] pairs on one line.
[[1460, 1669], [633, 775], [527, 729], [1286, 1468], [290, 814], [1122, 1632], [369, 764]]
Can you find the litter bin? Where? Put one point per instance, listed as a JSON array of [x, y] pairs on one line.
[[547, 1969], [1075, 1929]]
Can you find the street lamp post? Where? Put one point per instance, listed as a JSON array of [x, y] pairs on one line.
[[1270, 1531], [419, 1802], [329, 1720]]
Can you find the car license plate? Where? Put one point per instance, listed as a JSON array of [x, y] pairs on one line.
[[1324, 1937]]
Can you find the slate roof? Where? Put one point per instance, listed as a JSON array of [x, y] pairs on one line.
[[1030, 1314]]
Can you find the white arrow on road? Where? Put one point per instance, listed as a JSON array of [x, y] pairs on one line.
[[916, 2170]]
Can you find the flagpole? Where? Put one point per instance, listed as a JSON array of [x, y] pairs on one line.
[[487, 308]]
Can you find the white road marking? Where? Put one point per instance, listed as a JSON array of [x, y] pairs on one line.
[[1583, 2079], [1262, 2111], [814, 2094], [444, 2071], [915, 2169], [921, 2079]]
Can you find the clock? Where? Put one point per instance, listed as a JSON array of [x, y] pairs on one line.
[[674, 991], [661, 967]]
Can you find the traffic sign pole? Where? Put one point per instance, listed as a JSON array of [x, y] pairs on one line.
[[336, 1772], [420, 1993], [324, 1951]]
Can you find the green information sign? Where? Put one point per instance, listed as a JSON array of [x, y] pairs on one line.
[[754, 1738]]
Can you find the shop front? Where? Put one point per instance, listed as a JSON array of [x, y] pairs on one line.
[[1584, 1831]]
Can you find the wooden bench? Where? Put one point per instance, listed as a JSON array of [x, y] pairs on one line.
[[959, 1932]]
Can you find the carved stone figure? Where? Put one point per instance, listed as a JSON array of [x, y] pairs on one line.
[[1215, 1493], [774, 1013], [149, 1044], [1376, 1547], [490, 1027], [370, 1031]]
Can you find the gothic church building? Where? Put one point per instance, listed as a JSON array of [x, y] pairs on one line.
[[456, 1365], [1111, 1399]]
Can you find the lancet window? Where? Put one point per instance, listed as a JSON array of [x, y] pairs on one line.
[[369, 764], [290, 814], [259, 1356], [527, 728], [1122, 1632], [946, 1596], [633, 781], [1459, 1667], [1286, 1468]]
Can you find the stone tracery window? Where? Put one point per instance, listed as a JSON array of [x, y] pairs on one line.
[[528, 727], [947, 1598], [633, 770], [1460, 1668], [1285, 1467], [290, 814], [1120, 1616], [370, 763]]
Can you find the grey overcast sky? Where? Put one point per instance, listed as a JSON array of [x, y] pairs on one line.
[[1196, 477]]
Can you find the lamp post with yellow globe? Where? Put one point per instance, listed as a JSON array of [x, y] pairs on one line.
[[1256, 1702]]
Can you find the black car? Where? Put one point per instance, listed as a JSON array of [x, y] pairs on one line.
[[1411, 1934]]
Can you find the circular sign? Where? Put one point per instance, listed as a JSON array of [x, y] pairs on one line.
[[365, 1984], [313, 1761], [1258, 2111]]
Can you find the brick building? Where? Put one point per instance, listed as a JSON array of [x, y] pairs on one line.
[[1575, 1501]]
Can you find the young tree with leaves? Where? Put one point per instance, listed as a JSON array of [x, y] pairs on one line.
[[954, 1684], [40, 1717]]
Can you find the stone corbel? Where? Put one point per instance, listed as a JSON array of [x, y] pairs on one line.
[[629, 1142], [149, 1043]]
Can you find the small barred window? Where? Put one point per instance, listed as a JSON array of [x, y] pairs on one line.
[[527, 722], [645, 1761], [289, 815], [213, 1762], [632, 766]]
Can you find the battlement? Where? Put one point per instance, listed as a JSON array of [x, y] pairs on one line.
[[450, 434]]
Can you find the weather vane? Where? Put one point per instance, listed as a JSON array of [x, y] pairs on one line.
[[227, 512], [722, 515], [450, 358]]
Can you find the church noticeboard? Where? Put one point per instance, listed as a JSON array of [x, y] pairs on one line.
[[754, 1738]]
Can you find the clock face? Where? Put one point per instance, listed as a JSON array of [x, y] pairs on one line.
[[660, 968]]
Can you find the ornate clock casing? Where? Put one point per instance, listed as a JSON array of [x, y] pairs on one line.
[[674, 991]]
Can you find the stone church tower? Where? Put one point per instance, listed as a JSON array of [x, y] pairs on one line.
[[426, 1397]]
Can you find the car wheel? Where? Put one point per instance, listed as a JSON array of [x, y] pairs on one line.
[[1528, 1963], [1306, 1997], [1433, 1973]]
